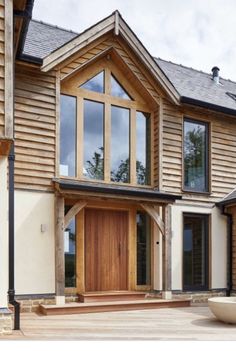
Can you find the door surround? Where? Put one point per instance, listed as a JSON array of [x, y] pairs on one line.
[[132, 250]]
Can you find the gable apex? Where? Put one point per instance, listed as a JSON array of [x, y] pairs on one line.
[[113, 23]]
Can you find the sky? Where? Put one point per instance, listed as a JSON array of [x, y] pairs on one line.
[[195, 33]]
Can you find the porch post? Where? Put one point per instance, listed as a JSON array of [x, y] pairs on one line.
[[166, 254], [59, 250]]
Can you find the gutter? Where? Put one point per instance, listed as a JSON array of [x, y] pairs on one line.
[[26, 15], [229, 249], [199, 103]]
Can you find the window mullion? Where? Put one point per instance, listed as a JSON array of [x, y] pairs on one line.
[[133, 146]]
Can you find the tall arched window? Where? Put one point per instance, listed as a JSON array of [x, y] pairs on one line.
[[105, 131]]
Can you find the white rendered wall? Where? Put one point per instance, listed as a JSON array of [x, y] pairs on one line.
[[217, 244], [3, 232], [34, 250]]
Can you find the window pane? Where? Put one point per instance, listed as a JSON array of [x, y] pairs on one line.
[[70, 254], [117, 90], [195, 156], [95, 84], [195, 252], [120, 163], [143, 249], [143, 148], [68, 136], [93, 140]]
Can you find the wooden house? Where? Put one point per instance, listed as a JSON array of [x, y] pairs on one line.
[[118, 167]]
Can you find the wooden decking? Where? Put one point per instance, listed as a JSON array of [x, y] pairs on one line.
[[110, 306], [169, 324]]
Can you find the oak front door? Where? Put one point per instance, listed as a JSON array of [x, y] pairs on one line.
[[106, 250]]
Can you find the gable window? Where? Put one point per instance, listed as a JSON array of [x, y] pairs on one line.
[[105, 132], [93, 165], [196, 162], [195, 252], [96, 83], [68, 136]]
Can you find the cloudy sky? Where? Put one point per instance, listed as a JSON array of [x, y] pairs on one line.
[[196, 33]]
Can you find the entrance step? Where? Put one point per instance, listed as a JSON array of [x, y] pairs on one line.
[[94, 307], [106, 296]]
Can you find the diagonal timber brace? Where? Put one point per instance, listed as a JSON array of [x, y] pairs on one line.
[[153, 213], [73, 212]]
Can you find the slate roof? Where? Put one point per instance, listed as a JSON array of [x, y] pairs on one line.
[[228, 199], [42, 39]]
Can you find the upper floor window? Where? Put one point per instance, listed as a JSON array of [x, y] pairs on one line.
[[105, 134], [196, 156]]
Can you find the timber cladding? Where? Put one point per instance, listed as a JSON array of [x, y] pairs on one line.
[[222, 151], [35, 128], [2, 58]]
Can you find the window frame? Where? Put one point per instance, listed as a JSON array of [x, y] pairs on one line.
[[207, 256], [207, 154], [134, 106]]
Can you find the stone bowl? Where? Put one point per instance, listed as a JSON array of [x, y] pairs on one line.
[[224, 308]]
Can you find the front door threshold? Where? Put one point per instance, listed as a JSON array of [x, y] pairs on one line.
[[106, 296]]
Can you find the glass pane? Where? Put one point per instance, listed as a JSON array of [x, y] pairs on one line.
[[95, 84], [70, 254], [143, 148], [117, 90], [195, 156], [68, 136], [195, 252], [143, 249], [120, 164], [93, 140]]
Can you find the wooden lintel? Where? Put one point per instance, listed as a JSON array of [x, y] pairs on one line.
[[73, 212], [155, 216]]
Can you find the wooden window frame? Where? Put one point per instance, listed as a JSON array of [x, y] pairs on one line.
[[134, 106], [208, 159], [207, 243]]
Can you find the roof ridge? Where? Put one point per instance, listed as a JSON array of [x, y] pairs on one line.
[[54, 26], [193, 69]]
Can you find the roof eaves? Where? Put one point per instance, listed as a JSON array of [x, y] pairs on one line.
[[70, 47], [200, 103], [26, 15]]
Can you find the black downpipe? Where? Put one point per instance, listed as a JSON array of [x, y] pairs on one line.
[[229, 251], [11, 291]]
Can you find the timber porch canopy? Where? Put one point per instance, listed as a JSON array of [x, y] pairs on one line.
[[150, 200]]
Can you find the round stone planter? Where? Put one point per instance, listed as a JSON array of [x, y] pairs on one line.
[[224, 308]]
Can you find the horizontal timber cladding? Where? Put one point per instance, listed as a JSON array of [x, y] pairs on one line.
[[222, 151], [172, 148], [2, 57], [35, 128]]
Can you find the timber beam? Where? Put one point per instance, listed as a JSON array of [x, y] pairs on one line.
[[73, 211]]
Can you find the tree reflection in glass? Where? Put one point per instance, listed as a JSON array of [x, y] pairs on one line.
[[120, 144], [93, 166], [195, 156], [143, 148]]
